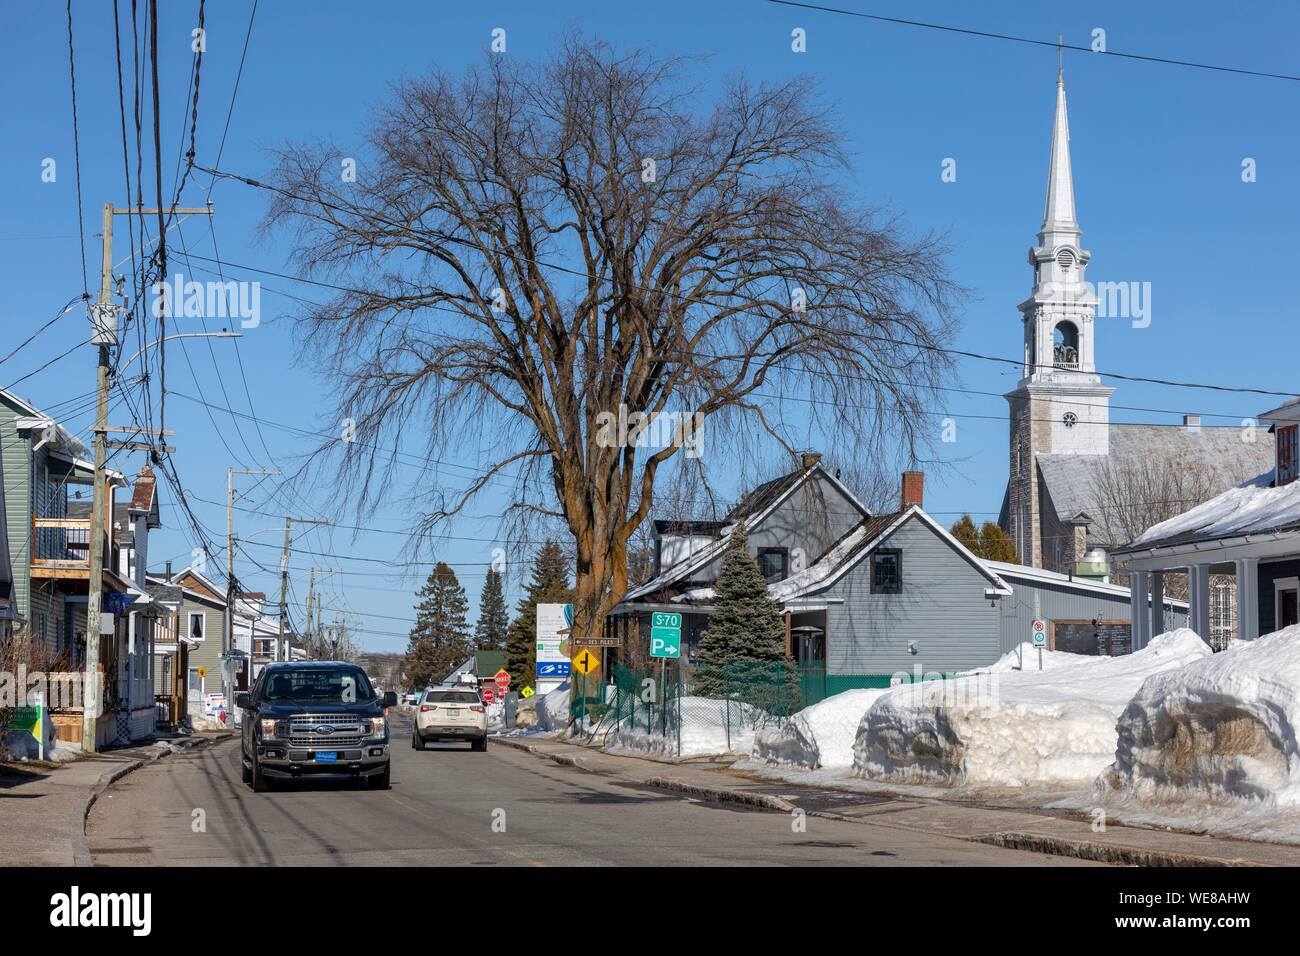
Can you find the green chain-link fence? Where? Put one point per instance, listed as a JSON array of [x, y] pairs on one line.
[[678, 710]]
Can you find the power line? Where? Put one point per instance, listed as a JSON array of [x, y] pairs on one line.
[[76, 152], [1056, 44], [889, 340]]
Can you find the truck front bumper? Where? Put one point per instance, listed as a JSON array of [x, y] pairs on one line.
[[279, 759]]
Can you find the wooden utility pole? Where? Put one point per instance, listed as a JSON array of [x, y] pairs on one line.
[[228, 638], [104, 334], [284, 568]]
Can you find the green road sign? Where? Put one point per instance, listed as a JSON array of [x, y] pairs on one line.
[[665, 635]]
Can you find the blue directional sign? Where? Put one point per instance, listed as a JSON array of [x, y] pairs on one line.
[[553, 668]]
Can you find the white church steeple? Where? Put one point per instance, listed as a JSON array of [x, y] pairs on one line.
[[1060, 406]]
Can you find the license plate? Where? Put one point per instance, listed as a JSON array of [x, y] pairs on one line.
[[453, 712], [327, 757]]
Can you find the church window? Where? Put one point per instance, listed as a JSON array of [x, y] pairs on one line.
[[1070, 419]]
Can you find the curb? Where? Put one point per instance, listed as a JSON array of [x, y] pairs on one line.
[[80, 848], [1105, 852], [717, 794]]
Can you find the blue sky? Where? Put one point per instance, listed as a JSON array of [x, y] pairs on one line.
[[1157, 153]]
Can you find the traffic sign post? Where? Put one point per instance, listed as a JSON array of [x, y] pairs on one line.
[[1039, 633], [665, 635]]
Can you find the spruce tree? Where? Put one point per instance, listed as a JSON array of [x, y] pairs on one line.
[[440, 638], [493, 621], [549, 585], [964, 531], [744, 644], [996, 544]]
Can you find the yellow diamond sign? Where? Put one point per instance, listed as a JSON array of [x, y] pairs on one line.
[[584, 662], [527, 692]]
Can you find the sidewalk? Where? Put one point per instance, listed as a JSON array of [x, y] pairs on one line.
[[1040, 831], [43, 807]]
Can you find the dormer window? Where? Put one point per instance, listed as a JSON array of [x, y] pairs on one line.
[[1288, 466]]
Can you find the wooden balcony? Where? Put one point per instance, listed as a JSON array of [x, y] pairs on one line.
[[61, 551]]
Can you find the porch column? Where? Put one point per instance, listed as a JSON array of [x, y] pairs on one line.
[[1139, 619], [1247, 598], [1198, 587], [1157, 603]]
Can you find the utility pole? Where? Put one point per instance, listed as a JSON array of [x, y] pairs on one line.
[[228, 642], [313, 601], [284, 568], [104, 334]]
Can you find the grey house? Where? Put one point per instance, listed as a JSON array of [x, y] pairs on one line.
[[875, 599]]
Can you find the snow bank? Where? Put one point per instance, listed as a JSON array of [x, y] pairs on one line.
[[709, 727], [818, 736], [553, 709], [1013, 728], [1025, 658], [1222, 729]]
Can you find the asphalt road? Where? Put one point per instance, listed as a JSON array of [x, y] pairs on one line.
[[455, 807]]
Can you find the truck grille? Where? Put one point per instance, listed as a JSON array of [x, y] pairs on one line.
[[306, 730]]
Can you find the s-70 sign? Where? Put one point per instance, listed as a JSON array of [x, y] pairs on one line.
[[665, 635]]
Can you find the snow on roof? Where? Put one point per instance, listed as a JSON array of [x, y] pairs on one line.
[[1250, 508], [1053, 577]]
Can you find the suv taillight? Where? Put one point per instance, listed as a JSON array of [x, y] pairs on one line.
[[477, 708], [425, 708]]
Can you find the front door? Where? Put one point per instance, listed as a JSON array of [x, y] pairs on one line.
[[1286, 608]]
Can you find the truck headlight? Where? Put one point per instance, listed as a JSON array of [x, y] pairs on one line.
[[377, 726], [268, 728]]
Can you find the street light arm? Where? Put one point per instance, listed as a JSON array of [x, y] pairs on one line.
[[172, 338]]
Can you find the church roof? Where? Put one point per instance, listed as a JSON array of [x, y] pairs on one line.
[[1073, 481], [1058, 209]]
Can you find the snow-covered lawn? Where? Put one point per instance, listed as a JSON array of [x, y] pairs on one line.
[[820, 736], [1222, 729], [1010, 727]]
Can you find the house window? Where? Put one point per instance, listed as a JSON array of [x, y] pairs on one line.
[[774, 563], [887, 572], [1287, 463], [196, 626]]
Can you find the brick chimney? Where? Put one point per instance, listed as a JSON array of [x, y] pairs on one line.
[[913, 490], [810, 458]]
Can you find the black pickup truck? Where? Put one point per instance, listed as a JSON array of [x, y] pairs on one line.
[[314, 719]]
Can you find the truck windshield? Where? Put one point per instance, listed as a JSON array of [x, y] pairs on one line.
[[343, 685]]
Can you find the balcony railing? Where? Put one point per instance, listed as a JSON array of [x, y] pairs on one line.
[[62, 545], [1065, 356]]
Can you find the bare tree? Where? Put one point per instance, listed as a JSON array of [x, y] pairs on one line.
[[534, 254]]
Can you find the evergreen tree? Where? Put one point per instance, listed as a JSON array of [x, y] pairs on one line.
[[440, 638], [989, 542], [550, 585], [996, 544], [745, 631], [965, 532], [493, 621]]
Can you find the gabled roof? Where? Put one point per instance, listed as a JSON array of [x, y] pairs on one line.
[[850, 550], [760, 502], [1074, 482]]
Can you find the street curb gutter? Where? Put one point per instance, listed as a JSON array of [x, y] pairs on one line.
[[1104, 852], [717, 794], [80, 847]]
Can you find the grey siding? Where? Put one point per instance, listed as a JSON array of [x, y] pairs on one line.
[[812, 519], [208, 653], [16, 449], [1269, 573], [942, 608], [1061, 602]]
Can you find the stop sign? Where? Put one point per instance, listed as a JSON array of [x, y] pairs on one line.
[[502, 679], [488, 695]]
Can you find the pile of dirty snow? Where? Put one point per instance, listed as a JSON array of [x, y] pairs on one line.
[[818, 736], [1013, 728], [1222, 729], [708, 727]]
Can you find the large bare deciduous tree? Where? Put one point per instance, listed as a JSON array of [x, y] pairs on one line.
[[530, 251]]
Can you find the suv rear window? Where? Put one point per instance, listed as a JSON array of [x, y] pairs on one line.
[[451, 697], [341, 684]]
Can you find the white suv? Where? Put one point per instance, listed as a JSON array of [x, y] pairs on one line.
[[450, 712]]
